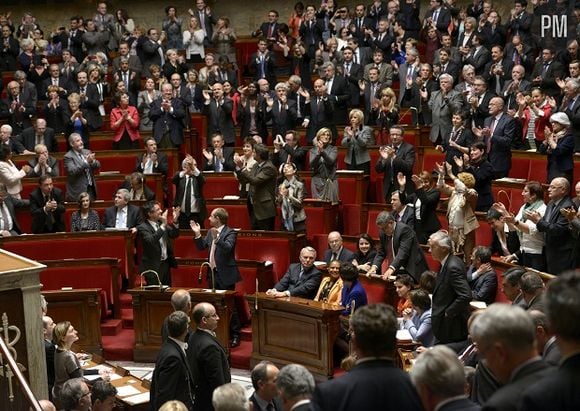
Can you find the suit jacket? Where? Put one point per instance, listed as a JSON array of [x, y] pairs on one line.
[[41, 221], [407, 255], [151, 55], [62, 82], [354, 75], [508, 397], [339, 94], [260, 117], [403, 163], [172, 378], [374, 384], [443, 19], [321, 115], [134, 216], [427, 223], [168, 122], [358, 146], [559, 242], [209, 365], [226, 271], [462, 404], [451, 297], [197, 189], [493, 81], [548, 77], [77, 180], [262, 180], [478, 59], [151, 257], [408, 216], [305, 286], [228, 163], [403, 68], [220, 120], [442, 108], [276, 402], [500, 154], [11, 204], [297, 155], [161, 166], [345, 255], [560, 160], [481, 112], [134, 64], [27, 140], [8, 55], [484, 287], [267, 71], [282, 120], [91, 105]]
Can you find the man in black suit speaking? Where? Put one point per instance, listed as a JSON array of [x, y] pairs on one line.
[[221, 241], [375, 382], [172, 378], [301, 280]]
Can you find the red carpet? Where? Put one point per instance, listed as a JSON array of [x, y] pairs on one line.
[[119, 347]]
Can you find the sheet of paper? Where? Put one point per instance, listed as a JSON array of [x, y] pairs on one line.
[[404, 335], [137, 399], [127, 390]]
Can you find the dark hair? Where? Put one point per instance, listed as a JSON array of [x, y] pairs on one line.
[[420, 298], [513, 275], [5, 152], [43, 178], [563, 305], [260, 373], [348, 272], [262, 152], [124, 16], [102, 390], [535, 189], [169, 8], [493, 214], [406, 280], [368, 238], [483, 254], [531, 282], [147, 208], [480, 145], [427, 281], [375, 328], [177, 323]]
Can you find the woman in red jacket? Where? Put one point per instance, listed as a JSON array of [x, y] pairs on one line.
[[125, 124]]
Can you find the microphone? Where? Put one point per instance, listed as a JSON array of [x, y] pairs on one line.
[[156, 276]]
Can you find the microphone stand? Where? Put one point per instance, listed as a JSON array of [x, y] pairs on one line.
[[211, 272], [156, 276]]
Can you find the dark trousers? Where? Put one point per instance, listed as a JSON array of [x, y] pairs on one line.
[[184, 220], [265, 224], [164, 275], [235, 324]]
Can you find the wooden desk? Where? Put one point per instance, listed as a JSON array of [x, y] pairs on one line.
[[151, 306], [83, 309], [294, 330]]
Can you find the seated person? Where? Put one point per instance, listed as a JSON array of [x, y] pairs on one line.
[[8, 223], [417, 320], [365, 253], [301, 280], [43, 163], [123, 215], [103, 396], [504, 242], [138, 190], [47, 207], [481, 276], [336, 250], [75, 395], [330, 289], [404, 283]]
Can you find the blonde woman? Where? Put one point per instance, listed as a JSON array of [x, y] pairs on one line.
[[330, 290], [323, 166], [193, 42], [357, 138], [386, 114]]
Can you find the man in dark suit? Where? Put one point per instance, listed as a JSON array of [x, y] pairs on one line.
[[206, 357], [134, 62], [180, 301], [505, 338], [9, 50], [375, 382], [155, 235], [47, 207], [359, 23], [167, 114], [498, 71], [152, 161], [452, 294], [49, 350], [382, 39], [80, 165], [532, 288], [8, 223], [353, 73], [560, 391], [499, 132], [289, 151], [337, 90], [218, 109], [17, 108], [223, 73], [546, 72], [172, 378], [478, 56], [321, 112], [71, 39], [281, 111], [438, 16], [268, 29], [39, 134], [296, 385], [130, 79], [400, 247], [55, 79], [336, 250], [262, 191], [481, 276], [446, 392], [219, 158], [188, 193], [559, 243], [301, 280], [266, 396], [520, 22], [397, 158], [153, 51], [311, 31], [401, 209], [123, 215], [546, 345], [479, 102], [262, 63], [571, 107], [221, 242]]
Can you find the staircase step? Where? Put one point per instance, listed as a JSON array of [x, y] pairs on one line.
[[127, 317], [126, 300], [120, 346], [111, 327], [246, 333], [241, 355]]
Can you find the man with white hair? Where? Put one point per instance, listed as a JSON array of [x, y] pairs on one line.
[[301, 280], [505, 339], [75, 395], [571, 106], [443, 103], [230, 397], [439, 378], [39, 134], [281, 111], [296, 385]]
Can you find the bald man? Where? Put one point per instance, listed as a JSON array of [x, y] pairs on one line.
[[38, 134], [180, 301]]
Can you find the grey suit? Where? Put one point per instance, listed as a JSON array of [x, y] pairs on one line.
[[442, 107], [358, 147], [79, 174]]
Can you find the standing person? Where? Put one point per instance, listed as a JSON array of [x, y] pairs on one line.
[[295, 384], [375, 382], [8, 223], [206, 357], [172, 378], [193, 42], [171, 25], [145, 98], [452, 294], [206, 20], [10, 176], [80, 165], [357, 138], [43, 163], [559, 146], [322, 158], [47, 207], [262, 193], [167, 114], [155, 235], [290, 196], [218, 109], [266, 395], [443, 103], [152, 161], [400, 247], [221, 242], [188, 193], [125, 124]]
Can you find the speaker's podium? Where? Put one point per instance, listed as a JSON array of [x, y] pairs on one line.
[[294, 330]]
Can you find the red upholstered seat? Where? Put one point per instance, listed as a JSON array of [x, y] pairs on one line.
[[538, 171], [520, 168], [375, 289], [351, 219], [429, 160]]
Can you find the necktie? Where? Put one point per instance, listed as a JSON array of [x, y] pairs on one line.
[[545, 68], [270, 407], [355, 57], [188, 192], [347, 69], [516, 58], [300, 273], [218, 164], [571, 104], [49, 216], [271, 30], [435, 16], [126, 80], [333, 257]]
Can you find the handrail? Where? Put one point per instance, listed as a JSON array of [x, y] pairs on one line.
[[18, 374]]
